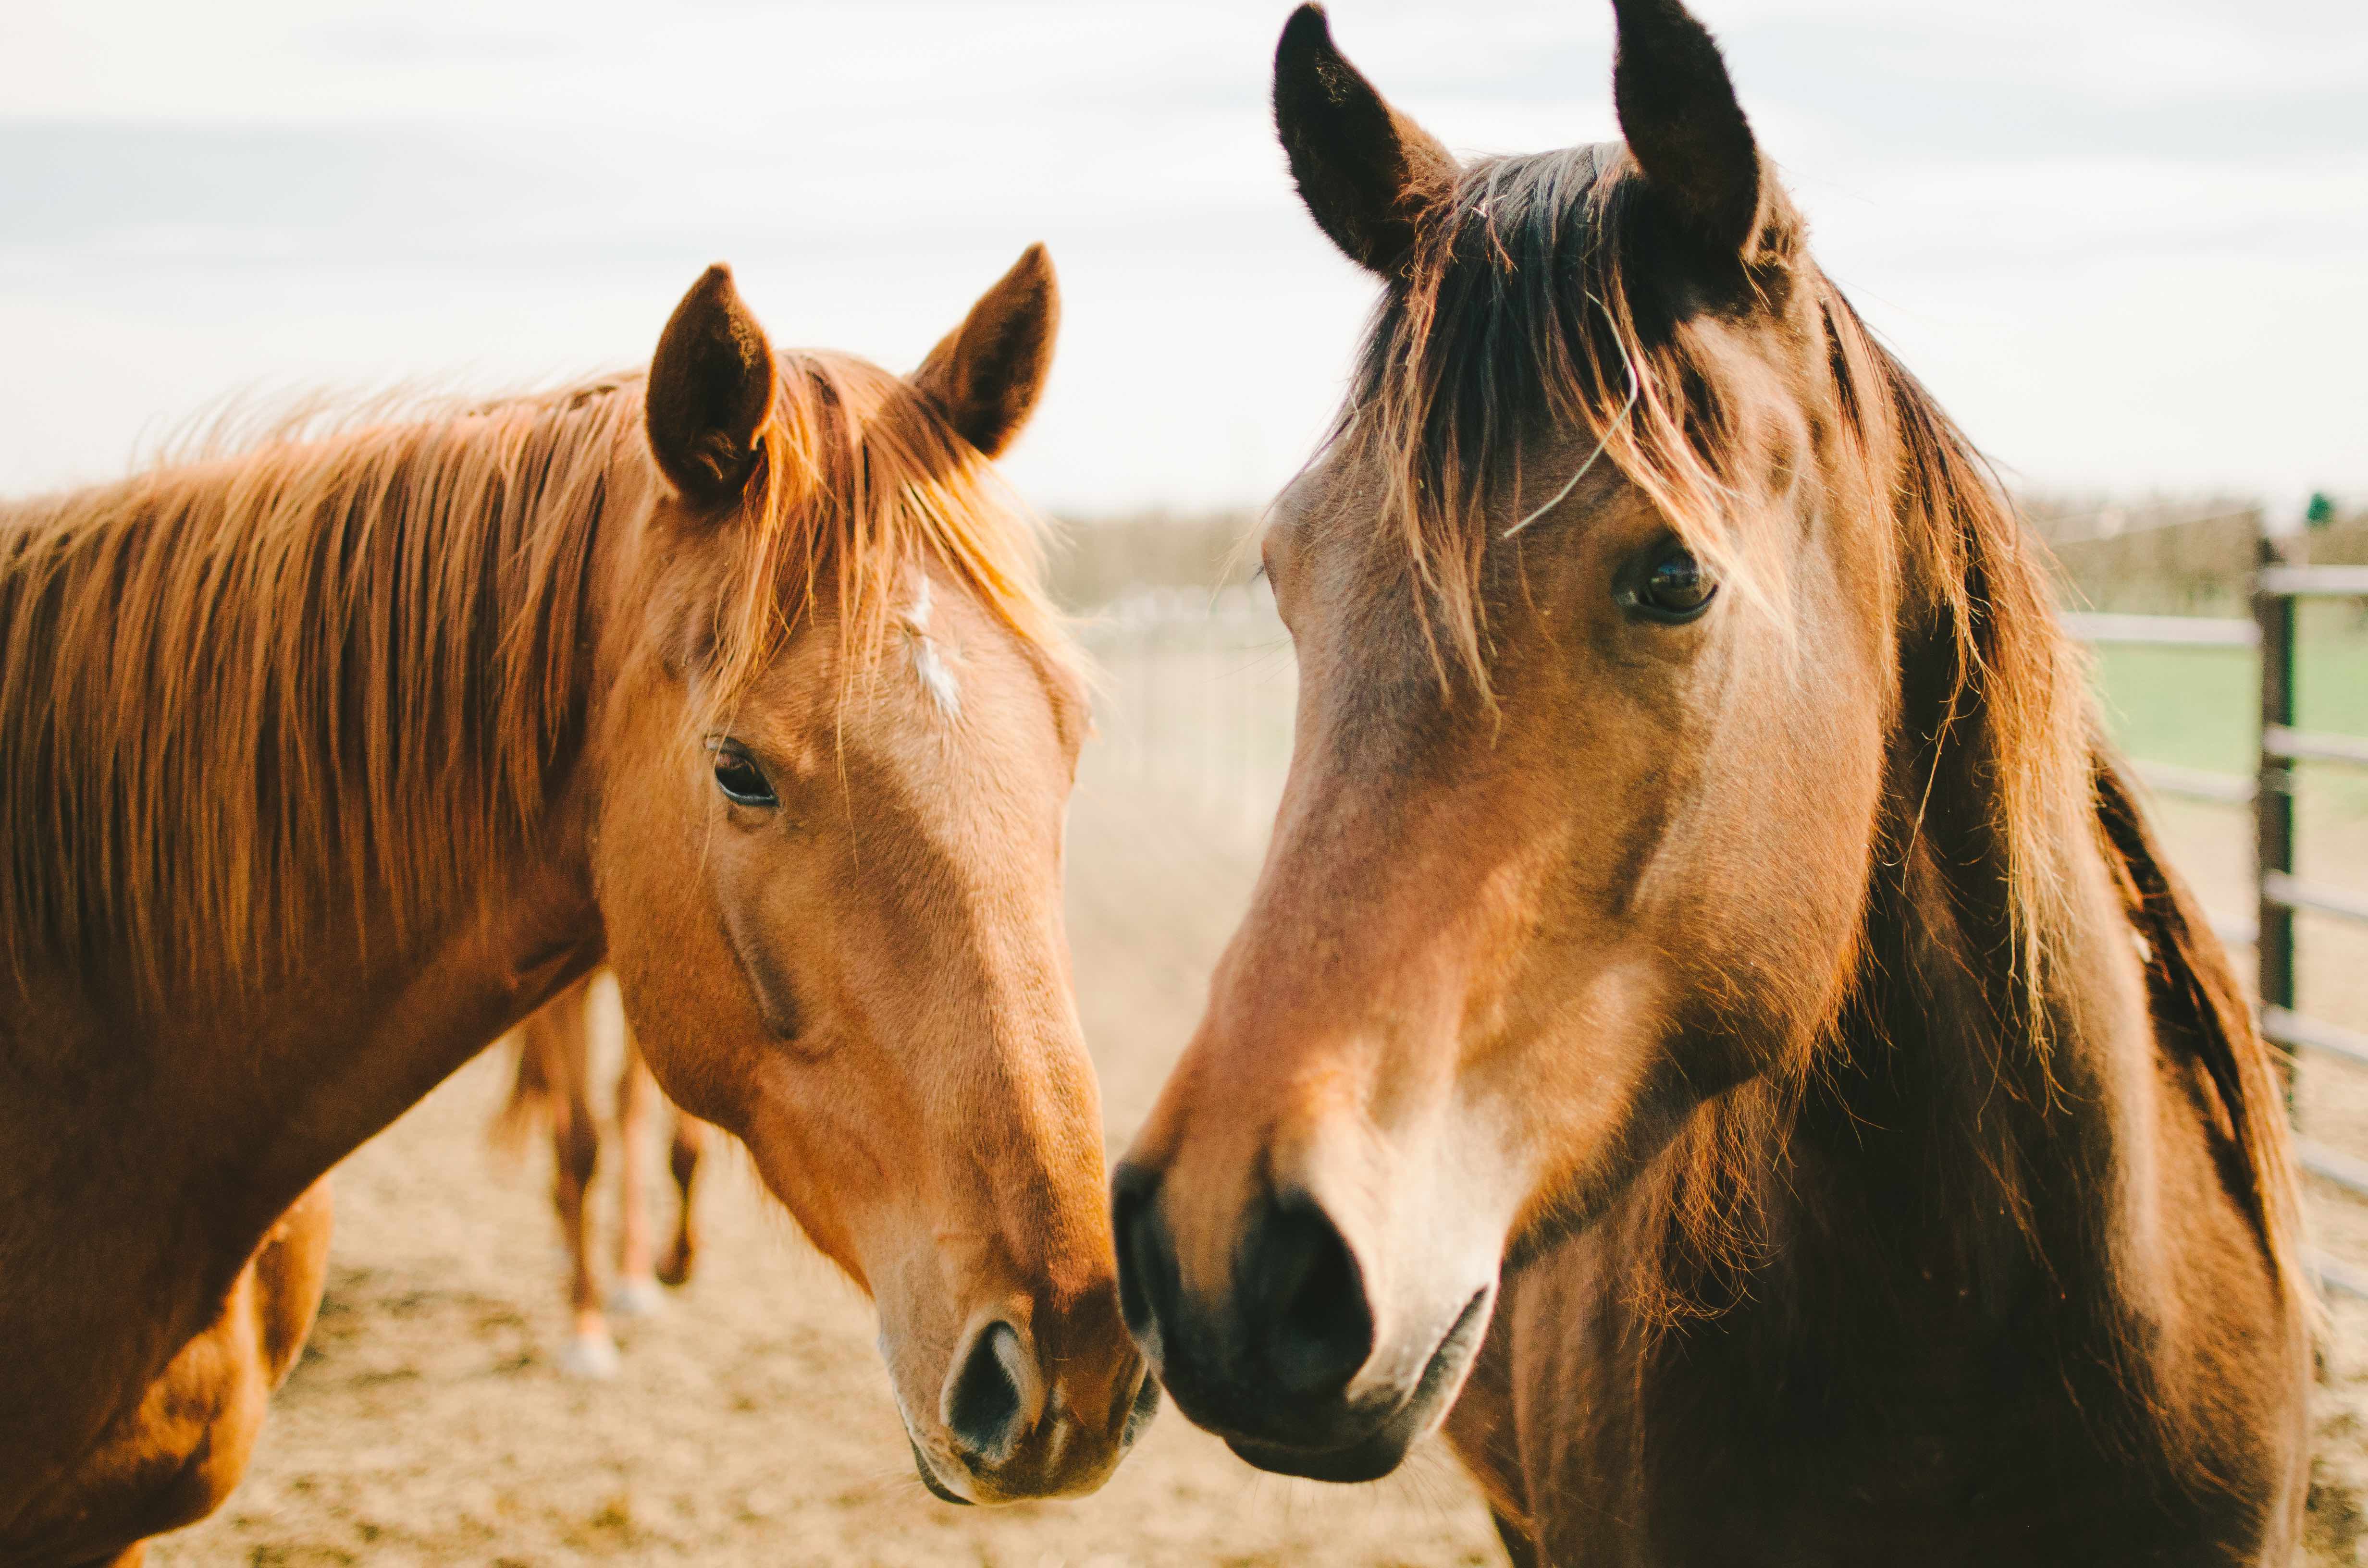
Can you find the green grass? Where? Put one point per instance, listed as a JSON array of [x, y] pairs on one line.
[[2201, 707]]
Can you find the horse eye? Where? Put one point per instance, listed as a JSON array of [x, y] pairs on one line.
[[1673, 587], [743, 782]]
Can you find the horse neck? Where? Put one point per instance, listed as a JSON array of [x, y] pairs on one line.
[[1950, 1091], [309, 694], [338, 751]]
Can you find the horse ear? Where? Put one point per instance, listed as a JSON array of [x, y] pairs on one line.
[[711, 387], [989, 372], [1365, 171], [1677, 109]]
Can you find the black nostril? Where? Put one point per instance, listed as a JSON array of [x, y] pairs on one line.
[[1142, 1260], [982, 1409], [1306, 1282]]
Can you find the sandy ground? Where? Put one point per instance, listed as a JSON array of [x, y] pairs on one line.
[[752, 1422]]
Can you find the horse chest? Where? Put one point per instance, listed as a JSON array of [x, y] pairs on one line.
[[1736, 1441]]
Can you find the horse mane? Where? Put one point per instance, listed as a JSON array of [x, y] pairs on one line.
[[2202, 1006], [1537, 297], [342, 669]]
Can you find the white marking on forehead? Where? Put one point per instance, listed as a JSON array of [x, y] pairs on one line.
[[929, 663]]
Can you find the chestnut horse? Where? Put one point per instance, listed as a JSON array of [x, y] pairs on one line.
[[328, 762], [1711, 997], [552, 1087]]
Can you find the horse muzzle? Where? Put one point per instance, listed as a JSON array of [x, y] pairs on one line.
[[1007, 1430], [1293, 1364]]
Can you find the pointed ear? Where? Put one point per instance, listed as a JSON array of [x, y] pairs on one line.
[[1365, 171], [989, 372], [1678, 112], [711, 388]]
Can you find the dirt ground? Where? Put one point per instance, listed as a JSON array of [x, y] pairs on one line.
[[752, 1422]]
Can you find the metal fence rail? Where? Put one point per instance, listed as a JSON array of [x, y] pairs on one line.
[[2298, 1033], [2167, 631], [2278, 580], [2195, 783]]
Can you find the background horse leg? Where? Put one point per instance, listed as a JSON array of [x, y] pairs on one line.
[[554, 1079], [576, 1149], [690, 1143], [636, 1291]]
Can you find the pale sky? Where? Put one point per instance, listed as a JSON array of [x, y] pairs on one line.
[[2126, 240]]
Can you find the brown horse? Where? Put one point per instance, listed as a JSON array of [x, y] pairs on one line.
[[329, 761], [1708, 972], [554, 1087]]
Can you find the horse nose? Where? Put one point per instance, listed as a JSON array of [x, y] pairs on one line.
[[1298, 1326], [1303, 1296], [987, 1398]]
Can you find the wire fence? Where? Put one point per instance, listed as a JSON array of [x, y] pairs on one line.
[[1197, 692]]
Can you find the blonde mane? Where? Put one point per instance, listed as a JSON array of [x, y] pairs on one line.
[[338, 674]]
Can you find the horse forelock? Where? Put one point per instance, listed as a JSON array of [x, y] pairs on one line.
[[346, 661], [1517, 313], [865, 485]]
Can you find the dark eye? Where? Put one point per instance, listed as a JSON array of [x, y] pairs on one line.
[[736, 773], [1672, 586]]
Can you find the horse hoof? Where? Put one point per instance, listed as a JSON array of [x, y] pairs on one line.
[[636, 1298], [592, 1356]]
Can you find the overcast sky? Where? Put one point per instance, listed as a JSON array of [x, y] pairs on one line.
[[2126, 240]]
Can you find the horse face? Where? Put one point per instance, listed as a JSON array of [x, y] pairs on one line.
[[1519, 919], [834, 908]]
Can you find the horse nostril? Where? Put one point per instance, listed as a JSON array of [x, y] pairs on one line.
[[1142, 1252], [1307, 1285], [984, 1403]]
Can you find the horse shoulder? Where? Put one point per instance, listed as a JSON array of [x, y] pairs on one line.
[[173, 1458]]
